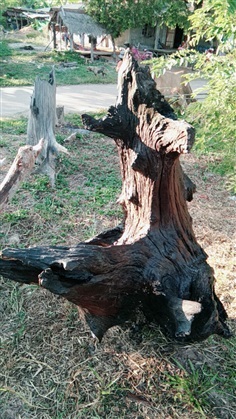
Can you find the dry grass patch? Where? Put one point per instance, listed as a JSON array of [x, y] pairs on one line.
[[50, 367]]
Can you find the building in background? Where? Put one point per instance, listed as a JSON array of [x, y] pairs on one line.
[[19, 17]]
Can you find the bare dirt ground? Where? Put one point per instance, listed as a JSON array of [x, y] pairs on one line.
[[50, 366], [214, 219]]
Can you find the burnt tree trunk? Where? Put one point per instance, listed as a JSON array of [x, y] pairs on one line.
[[153, 263]]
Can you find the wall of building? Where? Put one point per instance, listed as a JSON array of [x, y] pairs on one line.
[[125, 37], [140, 37], [148, 38]]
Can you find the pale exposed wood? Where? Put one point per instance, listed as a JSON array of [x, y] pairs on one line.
[[21, 168], [60, 116], [42, 123], [2, 162]]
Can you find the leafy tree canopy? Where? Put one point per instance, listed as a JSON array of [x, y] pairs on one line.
[[214, 118], [214, 20], [118, 15], [30, 4]]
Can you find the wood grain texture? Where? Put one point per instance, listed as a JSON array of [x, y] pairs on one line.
[[152, 262]]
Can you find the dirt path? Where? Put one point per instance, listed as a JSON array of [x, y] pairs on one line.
[[15, 101]]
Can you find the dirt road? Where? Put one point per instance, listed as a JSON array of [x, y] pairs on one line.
[[15, 101]]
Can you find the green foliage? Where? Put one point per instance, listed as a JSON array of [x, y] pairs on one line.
[[4, 5], [214, 118], [5, 50], [30, 4], [117, 16], [192, 387], [215, 20], [39, 25], [13, 126], [172, 13], [63, 56], [8, 3], [3, 21], [198, 385], [15, 216]]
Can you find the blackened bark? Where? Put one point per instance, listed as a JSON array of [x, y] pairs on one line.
[[152, 262]]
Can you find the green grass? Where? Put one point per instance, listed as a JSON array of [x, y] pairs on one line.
[[193, 387], [119, 378], [98, 186], [216, 140], [13, 126], [5, 50], [21, 69]]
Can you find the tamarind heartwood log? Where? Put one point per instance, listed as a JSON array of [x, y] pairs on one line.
[[152, 262]]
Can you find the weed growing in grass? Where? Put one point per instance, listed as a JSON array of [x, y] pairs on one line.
[[13, 126], [60, 138], [107, 388], [41, 184], [3, 143], [15, 217], [5, 50], [69, 165], [74, 120], [191, 388]]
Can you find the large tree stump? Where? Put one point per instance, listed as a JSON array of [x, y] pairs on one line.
[[153, 263]]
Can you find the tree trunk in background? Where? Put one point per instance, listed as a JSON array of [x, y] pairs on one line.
[[60, 116], [113, 48], [54, 36], [153, 263], [42, 122]]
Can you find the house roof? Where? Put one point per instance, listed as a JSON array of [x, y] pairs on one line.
[[79, 23], [70, 7], [25, 12], [36, 15]]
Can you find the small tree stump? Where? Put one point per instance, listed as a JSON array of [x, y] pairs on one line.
[[152, 263], [60, 116], [41, 124]]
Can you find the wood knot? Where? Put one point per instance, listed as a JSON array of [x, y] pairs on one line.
[[134, 199]]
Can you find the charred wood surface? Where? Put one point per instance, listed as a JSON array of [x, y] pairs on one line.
[[152, 262]]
